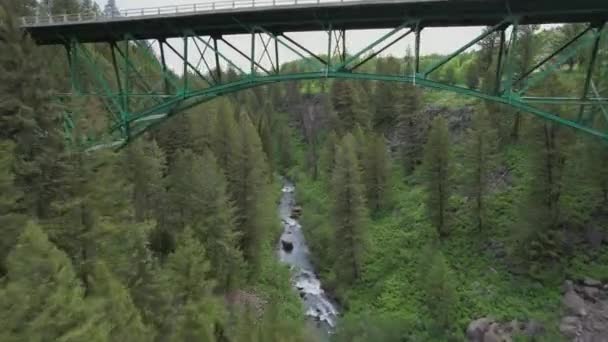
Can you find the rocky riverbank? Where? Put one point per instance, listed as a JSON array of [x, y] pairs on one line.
[[585, 317], [585, 304]]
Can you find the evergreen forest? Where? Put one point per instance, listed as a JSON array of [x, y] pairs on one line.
[[423, 210]]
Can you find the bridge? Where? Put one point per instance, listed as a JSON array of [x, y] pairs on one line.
[[143, 90]]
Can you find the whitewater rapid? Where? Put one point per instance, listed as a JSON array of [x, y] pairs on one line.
[[320, 310]]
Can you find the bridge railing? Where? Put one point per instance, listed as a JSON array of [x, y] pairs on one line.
[[222, 5]]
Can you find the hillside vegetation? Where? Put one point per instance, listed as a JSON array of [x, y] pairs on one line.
[[424, 210]]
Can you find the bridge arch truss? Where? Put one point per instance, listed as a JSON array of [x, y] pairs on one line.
[[144, 91]]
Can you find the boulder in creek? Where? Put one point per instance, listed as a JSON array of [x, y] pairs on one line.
[[296, 212], [287, 246]]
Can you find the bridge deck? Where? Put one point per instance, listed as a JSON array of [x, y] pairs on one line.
[[236, 17]]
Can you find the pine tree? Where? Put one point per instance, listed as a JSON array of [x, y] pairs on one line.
[[328, 155], [187, 276], [58, 7], [362, 139], [10, 221], [411, 127], [348, 106], [486, 54], [111, 9], [216, 225], [188, 270], [248, 177], [601, 166], [193, 323], [449, 74], [537, 237], [26, 109], [582, 196], [527, 45], [21, 8], [203, 126], [43, 299], [436, 175], [147, 167], [183, 198], [91, 193], [479, 161], [386, 95], [349, 213], [376, 173], [116, 307], [176, 135], [125, 249], [224, 140], [88, 6], [566, 33], [471, 75], [264, 127], [440, 294], [285, 149]]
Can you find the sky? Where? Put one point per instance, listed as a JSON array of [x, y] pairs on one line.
[[433, 40]]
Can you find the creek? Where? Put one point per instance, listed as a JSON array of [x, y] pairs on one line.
[[320, 310]]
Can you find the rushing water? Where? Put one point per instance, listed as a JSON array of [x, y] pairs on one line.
[[320, 310]]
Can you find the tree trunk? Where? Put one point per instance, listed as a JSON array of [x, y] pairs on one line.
[[516, 126]]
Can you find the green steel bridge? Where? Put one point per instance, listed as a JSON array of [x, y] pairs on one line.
[[144, 89]]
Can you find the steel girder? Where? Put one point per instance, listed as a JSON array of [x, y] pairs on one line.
[[143, 91]]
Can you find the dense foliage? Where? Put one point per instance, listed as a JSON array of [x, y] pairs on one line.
[[423, 210], [169, 239], [473, 210]]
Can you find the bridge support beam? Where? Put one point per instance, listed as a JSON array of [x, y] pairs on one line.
[[501, 48], [468, 45], [146, 90], [590, 68]]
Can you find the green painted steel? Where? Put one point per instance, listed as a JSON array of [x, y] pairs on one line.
[[211, 93], [136, 104], [237, 16], [462, 49]]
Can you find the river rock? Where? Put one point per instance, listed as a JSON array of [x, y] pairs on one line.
[[515, 327], [477, 329], [592, 282], [574, 304], [533, 328], [570, 326], [568, 286], [496, 334], [287, 246], [586, 310], [590, 293], [296, 212], [488, 330]]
